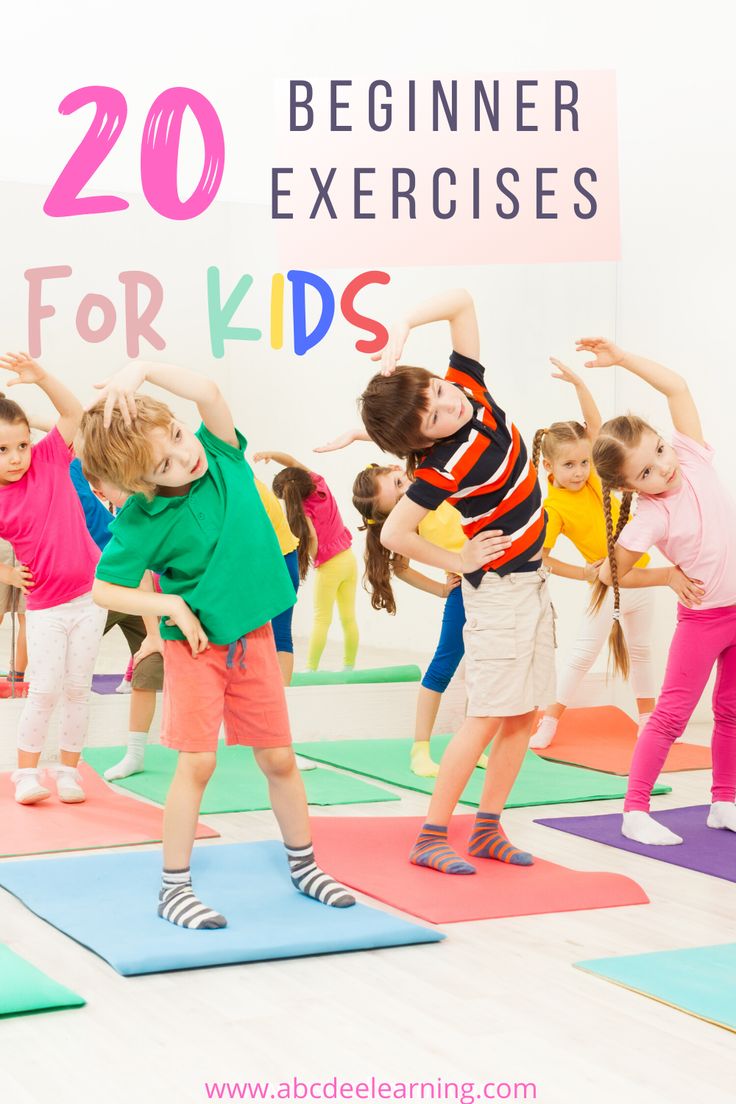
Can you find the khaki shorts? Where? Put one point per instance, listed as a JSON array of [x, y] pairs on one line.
[[510, 644], [11, 598]]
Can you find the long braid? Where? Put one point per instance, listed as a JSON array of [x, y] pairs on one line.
[[617, 643], [625, 514], [537, 446]]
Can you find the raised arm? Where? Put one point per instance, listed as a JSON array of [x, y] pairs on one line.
[[68, 405], [683, 410], [588, 408], [345, 439], [282, 458], [456, 307]]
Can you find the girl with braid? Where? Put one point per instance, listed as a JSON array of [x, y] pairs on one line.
[[683, 510], [574, 506]]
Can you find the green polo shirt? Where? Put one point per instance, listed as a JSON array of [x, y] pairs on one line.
[[213, 546]]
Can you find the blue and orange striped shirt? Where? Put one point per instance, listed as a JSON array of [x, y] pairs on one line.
[[484, 471]]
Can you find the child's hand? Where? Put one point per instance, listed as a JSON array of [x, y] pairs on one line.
[[564, 373], [266, 457], [390, 355], [150, 646], [605, 352], [689, 591], [452, 582], [592, 571], [119, 390], [183, 617], [340, 442], [483, 548], [20, 577], [27, 370]]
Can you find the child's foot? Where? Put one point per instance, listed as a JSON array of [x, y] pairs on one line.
[[67, 785], [124, 687], [305, 764], [544, 734], [179, 904], [28, 788], [639, 826], [421, 762], [432, 849], [489, 841], [310, 880], [722, 815], [132, 761]]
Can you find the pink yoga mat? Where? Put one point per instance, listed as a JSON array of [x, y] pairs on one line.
[[371, 855], [105, 819]]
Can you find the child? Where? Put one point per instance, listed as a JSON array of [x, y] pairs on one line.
[[460, 448], [323, 538], [683, 510], [376, 491], [41, 516], [195, 517], [288, 543], [13, 601], [574, 506]]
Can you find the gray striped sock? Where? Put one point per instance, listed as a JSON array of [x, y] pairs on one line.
[[313, 882], [179, 904]]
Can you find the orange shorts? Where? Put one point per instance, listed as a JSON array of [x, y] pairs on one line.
[[203, 692]]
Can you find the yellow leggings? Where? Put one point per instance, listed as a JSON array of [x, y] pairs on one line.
[[335, 581]]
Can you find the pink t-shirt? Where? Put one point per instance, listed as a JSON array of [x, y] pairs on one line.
[[43, 519], [693, 526], [332, 535]]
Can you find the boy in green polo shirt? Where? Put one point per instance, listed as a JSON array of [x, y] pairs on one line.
[[195, 518]]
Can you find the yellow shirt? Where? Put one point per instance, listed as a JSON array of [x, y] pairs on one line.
[[579, 516], [442, 527], [287, 541]]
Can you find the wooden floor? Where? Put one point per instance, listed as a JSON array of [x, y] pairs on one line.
[[498, 1001]]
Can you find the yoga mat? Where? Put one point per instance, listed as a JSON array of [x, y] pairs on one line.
[[106, 684], [708, 850], [108, 904], [698, 980], [539, 782], [105, 819], [603, 738], [409, 673], [237, 785], [372, 855], [23, 988]]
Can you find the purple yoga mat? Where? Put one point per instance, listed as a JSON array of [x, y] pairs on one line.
[[105, 684], [708, 850]]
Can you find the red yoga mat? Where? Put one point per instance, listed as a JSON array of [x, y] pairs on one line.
[[603, 739], [371, 855], [105, 819]]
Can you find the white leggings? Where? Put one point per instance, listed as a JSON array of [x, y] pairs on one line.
[[636, 621], [63, 642]]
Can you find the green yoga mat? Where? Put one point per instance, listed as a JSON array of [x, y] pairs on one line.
[[23, 988], [698, 980], [539, 783], [409, 673], [237, 786]]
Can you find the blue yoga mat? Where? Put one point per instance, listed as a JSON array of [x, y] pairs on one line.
[[698, 980], [108, 904]]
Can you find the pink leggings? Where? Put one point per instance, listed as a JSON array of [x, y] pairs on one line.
[[702, 638]]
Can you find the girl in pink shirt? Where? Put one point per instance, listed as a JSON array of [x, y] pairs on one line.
[[41, 516], [325, 541], [684, 510]]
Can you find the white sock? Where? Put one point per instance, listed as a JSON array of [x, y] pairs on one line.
[[639, 826], [132, 761], [643, 719], [722, 815], [545, 733]]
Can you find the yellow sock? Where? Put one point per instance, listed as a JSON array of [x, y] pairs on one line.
[[422, 763], [482, 762]]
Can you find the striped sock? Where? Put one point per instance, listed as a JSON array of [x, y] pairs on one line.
[[310, 880], [179, 904], [432, 849], [489, 841]]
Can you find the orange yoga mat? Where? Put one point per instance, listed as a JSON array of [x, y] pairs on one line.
[[371, 855], [603, 739], [105, 819]]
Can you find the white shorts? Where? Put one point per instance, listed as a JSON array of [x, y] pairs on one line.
[[510, 644]]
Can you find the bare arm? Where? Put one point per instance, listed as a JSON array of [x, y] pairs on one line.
[[283, 458], [313, 542], [456, 307], [67, 405], [399, 533], [689, 591], [150, 604], [423, 582], [588, 407], [583, 573], [345, 439]]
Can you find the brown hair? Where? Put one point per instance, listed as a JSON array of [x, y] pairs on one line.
[[292, 486], [547, 441], [11, 413], [122, 454], [610, 450], [392, 408], [380, 562]]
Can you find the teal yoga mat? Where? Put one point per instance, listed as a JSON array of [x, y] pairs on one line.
[[699, 980], [237, 786], [539, 783], [408, 673], [23, 988]]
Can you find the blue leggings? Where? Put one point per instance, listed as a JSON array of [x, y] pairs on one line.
[[450, 648], [281, 624]]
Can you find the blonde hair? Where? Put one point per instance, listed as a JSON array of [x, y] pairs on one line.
[[616, 438], [122, 454], [548, 441]]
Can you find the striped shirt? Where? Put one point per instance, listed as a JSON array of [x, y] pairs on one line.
[[484, 471]]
